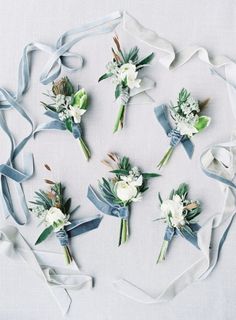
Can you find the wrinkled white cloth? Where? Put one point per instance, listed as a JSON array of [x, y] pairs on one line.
[[49, 266]]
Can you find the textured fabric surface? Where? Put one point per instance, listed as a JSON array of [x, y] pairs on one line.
[[206, 23]]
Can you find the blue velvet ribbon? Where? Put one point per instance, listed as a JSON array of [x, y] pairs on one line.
[[57, 124], [58, 56], [8, 170], [76, 228], [174, 134], [106, 207], [192, 238]]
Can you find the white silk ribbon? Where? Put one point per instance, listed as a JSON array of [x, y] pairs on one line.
[[47, 265], [171, 59]]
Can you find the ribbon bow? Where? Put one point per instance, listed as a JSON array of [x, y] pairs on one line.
[[106, 207], [174, 134], [76, 228], [57, 124], [192, 238]]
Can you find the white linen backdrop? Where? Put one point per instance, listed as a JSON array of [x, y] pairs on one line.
[[211, 24]]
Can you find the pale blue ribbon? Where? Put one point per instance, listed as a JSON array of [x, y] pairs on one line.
[[106, 207], [76, 228], [57, 124], [8, 169], [174, 134], [192, 238], [58, 55]]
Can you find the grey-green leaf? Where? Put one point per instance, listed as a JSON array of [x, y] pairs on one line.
[[105, 76], [46, 232], [117, 91], [146, 60], [150, 175]]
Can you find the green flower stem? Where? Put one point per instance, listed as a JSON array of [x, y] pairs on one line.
[[85, 149], [162, 254], [124, 231], [67, 254], [120, 119], [166, 158]]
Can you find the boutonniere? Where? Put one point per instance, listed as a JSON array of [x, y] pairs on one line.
[[67, 109], [54, 211], [179, 213], [124, 71], [187, 122], [116, 194]]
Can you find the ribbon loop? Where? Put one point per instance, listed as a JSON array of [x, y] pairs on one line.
[[174, 134], [104, 206]]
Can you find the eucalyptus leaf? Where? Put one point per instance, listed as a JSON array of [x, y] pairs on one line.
[[117, 91], [145, 61], [67, 206], [120, 172], [46, 232], [68, 124], [105, 76], [150, 175]]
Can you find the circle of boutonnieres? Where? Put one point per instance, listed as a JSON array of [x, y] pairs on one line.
[[54, 211], [67, 109], [179, 213], [124, 71], [116, 194], [187, 122]]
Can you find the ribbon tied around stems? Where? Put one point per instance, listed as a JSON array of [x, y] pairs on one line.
[[218, 162], [49, 266], [58, 56], [175, 137], [171, 231], [106, 207], [63, 238], [76, 228], [174, 134], [58, 59], [57, 124], [125, 96]]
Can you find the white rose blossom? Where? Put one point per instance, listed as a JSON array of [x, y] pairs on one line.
[[125, 191], [172, 211], [54, 216]]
